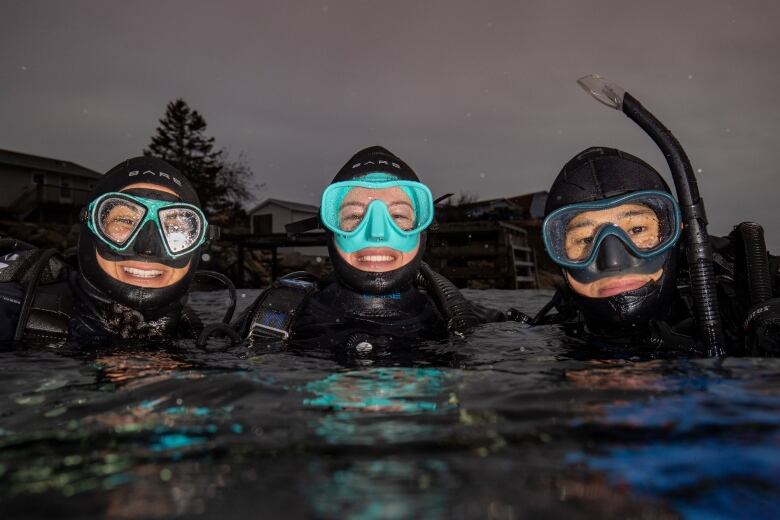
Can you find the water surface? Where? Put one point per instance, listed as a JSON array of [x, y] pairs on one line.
[[507, 423]]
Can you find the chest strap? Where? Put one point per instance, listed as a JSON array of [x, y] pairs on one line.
[[278, 306]]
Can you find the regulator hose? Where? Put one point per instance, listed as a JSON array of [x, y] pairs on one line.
[[453, 304], [30, 291], [231, 291], [698, 247], [756, 269]]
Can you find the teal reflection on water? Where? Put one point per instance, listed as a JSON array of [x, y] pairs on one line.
[[378, 407], [380, 488], [380, 389]]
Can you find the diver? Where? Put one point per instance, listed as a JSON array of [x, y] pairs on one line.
[[375, 214], [139, 246], [639, 266], [614, 228]]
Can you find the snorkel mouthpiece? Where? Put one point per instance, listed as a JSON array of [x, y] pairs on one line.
[[698, 247]]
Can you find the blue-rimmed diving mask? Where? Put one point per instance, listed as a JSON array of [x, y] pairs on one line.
[[117, 218], [376, 210], [647, 223]]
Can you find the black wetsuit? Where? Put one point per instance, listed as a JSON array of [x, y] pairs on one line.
[[65, 305]]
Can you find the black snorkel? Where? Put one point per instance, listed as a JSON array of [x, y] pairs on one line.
[[697, 242]]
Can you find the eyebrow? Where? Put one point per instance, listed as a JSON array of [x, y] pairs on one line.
[[363, 204], [629, 213]]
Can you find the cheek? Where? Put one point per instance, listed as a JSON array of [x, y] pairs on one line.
[[177, 274], [409, 255]]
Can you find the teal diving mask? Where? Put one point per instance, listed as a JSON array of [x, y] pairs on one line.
[[116, 219], [377, 210]]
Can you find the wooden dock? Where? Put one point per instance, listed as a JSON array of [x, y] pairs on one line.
[[477, 254]]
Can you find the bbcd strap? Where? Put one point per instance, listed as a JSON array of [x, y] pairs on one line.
[[278, 306]]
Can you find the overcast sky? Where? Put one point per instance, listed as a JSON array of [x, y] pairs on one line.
[[477, 96]]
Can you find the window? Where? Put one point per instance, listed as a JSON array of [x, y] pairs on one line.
[[262, 224], [37, 177]]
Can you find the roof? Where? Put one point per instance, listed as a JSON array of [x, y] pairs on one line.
[[36, 162], [293, 206]]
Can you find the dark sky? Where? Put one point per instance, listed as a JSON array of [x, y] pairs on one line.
[[476, 96]]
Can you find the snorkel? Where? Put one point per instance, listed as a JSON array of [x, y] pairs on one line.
[[698, 247]]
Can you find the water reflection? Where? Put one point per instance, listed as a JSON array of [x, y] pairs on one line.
[[379, 407]]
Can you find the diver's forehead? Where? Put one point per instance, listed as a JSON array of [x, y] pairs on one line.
[[151, 190], [390, 194]]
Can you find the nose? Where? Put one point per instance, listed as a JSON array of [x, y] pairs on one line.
[[377, 229], [613, 255], [147, 242]]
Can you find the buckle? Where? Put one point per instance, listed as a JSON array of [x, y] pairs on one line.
[[258, 329]]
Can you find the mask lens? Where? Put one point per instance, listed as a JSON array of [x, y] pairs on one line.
[[345, 205], [117, 219], [646, 221], [181, 227], [639, 222]]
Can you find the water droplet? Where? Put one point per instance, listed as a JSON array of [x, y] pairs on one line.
[[690, 76], [481, 175], [698, 170], [165, 474], [205, 257]]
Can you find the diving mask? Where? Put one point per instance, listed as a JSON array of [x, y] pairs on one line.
[[647, 222], [376, 210], [116, 219]]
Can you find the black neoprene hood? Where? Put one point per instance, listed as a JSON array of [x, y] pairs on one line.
[[600, 173], [374, 159], [147, 246]]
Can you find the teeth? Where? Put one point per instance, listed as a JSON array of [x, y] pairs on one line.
[[376, 258], [142, 273]]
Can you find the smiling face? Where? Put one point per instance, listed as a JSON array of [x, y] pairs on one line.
[[354, 208], [136, 272], [641, 225]]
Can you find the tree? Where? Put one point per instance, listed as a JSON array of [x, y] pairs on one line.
[[181, 140]]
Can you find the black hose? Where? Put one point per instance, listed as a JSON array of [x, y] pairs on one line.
[[456, 307], [231, 291], [759, 278], [698, 247], [31, 290], [218, 328]]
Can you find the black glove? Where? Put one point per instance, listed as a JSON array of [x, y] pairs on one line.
[[762, 328]]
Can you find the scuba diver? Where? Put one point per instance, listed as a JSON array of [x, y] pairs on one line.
[[139, 246], [375, 214], [614, 228]]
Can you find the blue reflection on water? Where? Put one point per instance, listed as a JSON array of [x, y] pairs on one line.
[[719, 456]]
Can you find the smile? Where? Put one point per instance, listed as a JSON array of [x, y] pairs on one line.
[[142, 273], [375, 259]]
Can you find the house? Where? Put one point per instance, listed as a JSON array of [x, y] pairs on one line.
[[522, 207], [38, 189], [271, 215]]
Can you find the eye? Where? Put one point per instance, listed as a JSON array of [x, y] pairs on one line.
[[585, 241], [637, 229]]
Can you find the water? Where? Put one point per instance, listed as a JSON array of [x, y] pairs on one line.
[[507, 423]]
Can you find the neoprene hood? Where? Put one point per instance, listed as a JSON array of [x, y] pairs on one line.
[[375, 159], [147, 246], [600, 173]]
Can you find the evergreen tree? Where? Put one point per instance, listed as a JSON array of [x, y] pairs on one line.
[[181, 140]]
